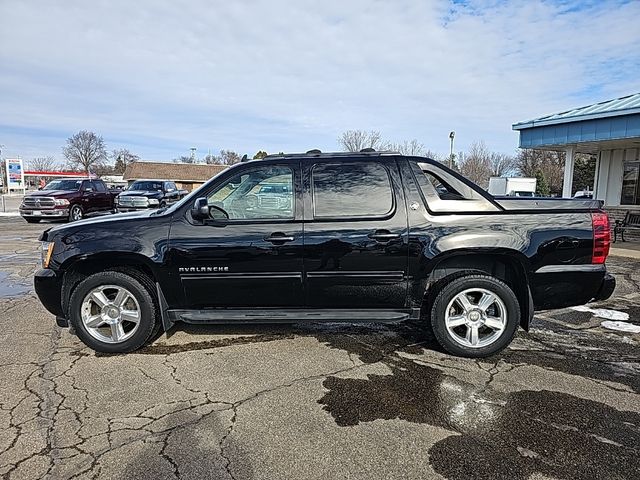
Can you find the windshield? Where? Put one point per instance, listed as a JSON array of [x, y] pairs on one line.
[[147, 186], [63, 185], [193, 195]]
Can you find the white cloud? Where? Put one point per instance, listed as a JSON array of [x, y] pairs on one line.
[[284, 75]]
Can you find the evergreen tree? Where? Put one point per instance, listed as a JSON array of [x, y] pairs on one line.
[[542, 187]]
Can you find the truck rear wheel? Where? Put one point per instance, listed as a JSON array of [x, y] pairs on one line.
[[475, 316], [112, 312]]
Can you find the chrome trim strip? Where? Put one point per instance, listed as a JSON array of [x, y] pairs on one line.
[[571, 268], [399, 275], [249, 275]]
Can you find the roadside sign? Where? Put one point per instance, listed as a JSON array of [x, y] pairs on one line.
[[15, 174]]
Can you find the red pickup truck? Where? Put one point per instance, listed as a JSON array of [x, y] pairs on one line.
[[71, 199]]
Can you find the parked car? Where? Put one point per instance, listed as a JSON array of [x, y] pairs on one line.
[[363, 237], [143, 194], [69, 198]]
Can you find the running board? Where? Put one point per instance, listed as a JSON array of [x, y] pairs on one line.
[[291, 316]]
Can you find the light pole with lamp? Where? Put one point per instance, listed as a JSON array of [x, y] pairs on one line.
[[452, 135]]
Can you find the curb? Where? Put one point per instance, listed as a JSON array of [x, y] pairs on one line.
[[624, 252]]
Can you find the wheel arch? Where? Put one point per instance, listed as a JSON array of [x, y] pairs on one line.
[[78, 268], [508, 266]]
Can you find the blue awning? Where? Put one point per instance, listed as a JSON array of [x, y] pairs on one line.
[[617, 119]]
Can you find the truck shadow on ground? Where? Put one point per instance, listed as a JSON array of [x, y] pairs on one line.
[[386, 338]]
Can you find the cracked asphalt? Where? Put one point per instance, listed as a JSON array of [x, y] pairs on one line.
[[314, 401]]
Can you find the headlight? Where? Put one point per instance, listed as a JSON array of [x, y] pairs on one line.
[[153, 201], [46, 250], [61, 201]]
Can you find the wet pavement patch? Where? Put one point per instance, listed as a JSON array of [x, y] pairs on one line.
[[10, 288], [544, 432], [589, 356], [493, 436]]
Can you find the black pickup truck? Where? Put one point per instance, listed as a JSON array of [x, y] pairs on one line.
[[143, 194], [371, 237]]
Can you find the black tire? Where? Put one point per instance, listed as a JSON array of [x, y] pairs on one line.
[[446, 295], [148, 323], [32, 220], [75, 213]]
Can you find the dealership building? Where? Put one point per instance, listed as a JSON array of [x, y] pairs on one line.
[[608, 130]]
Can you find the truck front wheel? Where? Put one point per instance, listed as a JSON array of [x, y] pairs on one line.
[[75, 213], [112, 312], [475, 316]]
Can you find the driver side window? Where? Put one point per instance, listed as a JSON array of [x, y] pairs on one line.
[[261, 193]]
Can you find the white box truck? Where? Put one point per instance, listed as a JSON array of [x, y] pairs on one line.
[[512, 186]]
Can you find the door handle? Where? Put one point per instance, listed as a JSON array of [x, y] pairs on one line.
[[384, 236], [279, 237]]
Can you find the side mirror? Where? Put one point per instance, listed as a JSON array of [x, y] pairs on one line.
[[88, 190], [200, 209]]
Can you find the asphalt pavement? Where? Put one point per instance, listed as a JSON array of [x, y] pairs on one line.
[[314, 401]]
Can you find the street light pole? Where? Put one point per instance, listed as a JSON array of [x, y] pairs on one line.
[[452, 135]]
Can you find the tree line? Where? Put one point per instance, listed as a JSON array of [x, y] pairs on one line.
[[479, 163], [86, 152]]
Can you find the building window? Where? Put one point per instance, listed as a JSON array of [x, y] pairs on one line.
[[630, 191]]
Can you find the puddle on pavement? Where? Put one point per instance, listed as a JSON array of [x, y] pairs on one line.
[[512, 436], [590, 355], [9, 288]]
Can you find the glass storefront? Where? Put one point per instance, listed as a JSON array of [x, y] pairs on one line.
[[630, 179]]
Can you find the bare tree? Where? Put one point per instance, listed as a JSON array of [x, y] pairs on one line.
[[549, 164], [226, 157], [123, 157], [85, 150], [501, 164], [356, 140], [476, 165], [229, 157], [42, 164], [411, 147]]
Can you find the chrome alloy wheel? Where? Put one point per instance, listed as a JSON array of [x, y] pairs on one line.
[[110, 313], [76, 213], [476, 317]]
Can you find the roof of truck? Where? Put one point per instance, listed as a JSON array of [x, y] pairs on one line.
[[366, 153]]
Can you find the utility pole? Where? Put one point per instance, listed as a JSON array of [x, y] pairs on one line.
[[193, 154], [452, 135]]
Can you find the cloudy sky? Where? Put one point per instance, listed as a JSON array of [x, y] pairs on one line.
[[159, 77]]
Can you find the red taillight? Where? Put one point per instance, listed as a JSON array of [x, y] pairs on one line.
[[601, 237]]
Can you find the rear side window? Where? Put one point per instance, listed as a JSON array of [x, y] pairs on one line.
[[444, 193], [442, 188], [351, 190]]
